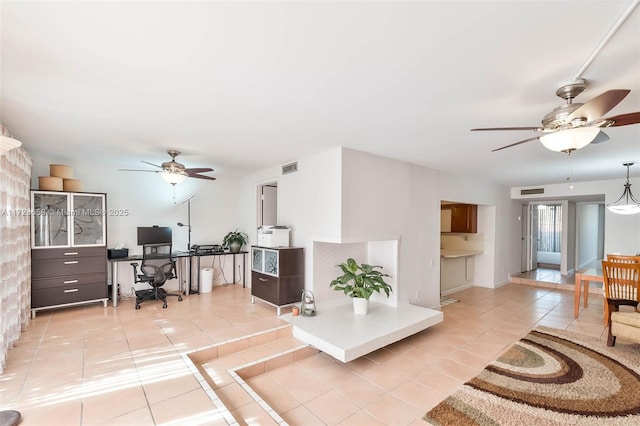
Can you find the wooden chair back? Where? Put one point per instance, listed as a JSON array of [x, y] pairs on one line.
[[621, 280], [623, 258]]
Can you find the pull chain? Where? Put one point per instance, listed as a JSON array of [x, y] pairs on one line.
[[569, 166]]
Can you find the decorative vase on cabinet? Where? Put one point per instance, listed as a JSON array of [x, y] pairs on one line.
[[277, 275], [68, 249]]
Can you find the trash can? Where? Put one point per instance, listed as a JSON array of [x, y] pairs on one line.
[[206, 280]]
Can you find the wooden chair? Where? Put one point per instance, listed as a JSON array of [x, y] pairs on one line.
[[622, 287], [623, 258]]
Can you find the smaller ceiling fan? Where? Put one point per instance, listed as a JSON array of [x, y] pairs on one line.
[[574, 125], [174, 172]]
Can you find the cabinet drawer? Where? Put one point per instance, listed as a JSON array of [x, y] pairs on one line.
[[72, 280], [69, 266], [69, 294], [62, 253], [290, 289], [264, 287]]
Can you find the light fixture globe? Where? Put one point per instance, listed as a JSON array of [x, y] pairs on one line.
[[627, 204], [173, 177], [570, 139]]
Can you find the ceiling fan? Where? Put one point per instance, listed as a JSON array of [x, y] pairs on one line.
[[174, 172], [574, 125]]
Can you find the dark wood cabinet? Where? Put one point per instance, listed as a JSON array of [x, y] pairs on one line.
[[277, 275], [464, 217], [68, 268]]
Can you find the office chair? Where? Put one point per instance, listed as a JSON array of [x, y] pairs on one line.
[[157, 267]]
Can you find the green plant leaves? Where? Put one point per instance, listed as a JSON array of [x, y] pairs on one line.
[[360, 280], [235, 237]]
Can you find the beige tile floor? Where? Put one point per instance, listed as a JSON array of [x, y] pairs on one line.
[[120, 366]]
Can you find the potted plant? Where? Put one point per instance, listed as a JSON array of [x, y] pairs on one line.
[[235, 240], [360, 281]]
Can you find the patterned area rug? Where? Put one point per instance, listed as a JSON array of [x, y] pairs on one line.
[[550, 377]]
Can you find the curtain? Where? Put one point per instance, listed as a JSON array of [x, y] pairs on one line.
[[15, 246], [549, 228]]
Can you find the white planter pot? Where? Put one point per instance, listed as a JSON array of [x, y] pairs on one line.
[[360, 306]]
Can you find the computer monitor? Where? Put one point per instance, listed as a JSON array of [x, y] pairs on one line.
[[154, 235]]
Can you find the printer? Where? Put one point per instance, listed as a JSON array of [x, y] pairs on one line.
[[273, 236]]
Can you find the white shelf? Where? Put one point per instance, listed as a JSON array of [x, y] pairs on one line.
[[346, 336]]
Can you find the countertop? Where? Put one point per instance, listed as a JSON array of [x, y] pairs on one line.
[[451, 253]]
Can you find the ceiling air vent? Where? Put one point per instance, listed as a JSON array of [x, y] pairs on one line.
[[532, 191], [290, 168]]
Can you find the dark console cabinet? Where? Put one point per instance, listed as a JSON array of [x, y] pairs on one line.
[[68, 268], [277, 275]]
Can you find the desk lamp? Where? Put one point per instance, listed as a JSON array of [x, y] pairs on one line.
[[188, 225]]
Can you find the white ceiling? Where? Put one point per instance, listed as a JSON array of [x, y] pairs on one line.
[[243, 86]]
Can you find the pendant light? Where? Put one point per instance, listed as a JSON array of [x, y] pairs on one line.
[[627, 203]]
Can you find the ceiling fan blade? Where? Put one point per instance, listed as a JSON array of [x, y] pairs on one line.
[[505, 128], [600, 137], [197, 176], [514, 144], [600, 105], [201, 170], [137, 170], [151, 164], [624, 119]]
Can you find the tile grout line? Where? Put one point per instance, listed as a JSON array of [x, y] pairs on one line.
[[255, 395], [228, 417]]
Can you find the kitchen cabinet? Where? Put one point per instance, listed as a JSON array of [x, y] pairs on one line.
[[277, 275], [462, 218], [68, 249]]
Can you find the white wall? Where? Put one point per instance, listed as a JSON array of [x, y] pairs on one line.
[[587, 241], [385, 199], [308, 202], [568, 238]]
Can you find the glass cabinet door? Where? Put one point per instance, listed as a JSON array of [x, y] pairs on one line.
[[50, 219], [88, 220], [271, 262], [256, 264]]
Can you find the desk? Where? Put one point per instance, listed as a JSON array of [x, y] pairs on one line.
[[183, 257], [582, 279]]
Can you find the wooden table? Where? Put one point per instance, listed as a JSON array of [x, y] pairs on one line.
[[582, 279]]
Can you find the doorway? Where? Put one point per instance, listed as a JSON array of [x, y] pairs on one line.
[[529, 235], [268, 204], [542, 236]]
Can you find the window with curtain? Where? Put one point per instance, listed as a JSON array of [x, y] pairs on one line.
[[15, 253], [549, 228]]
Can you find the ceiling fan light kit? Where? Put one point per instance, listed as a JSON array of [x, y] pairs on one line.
[[173, 177], [627, 204], [562, 124], [174, 172], [569, 140]]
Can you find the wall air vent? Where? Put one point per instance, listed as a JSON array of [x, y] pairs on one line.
[[290, 168], [532, 191]]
